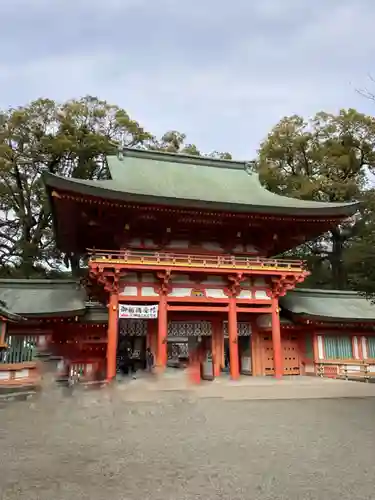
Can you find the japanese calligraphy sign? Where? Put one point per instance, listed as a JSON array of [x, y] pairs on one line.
[[134, 311]]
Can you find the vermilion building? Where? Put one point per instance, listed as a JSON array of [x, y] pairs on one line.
[[182, 258], [198, 238]]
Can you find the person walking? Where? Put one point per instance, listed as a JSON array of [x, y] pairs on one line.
[[149, 359], [227, 359], [132, 361]]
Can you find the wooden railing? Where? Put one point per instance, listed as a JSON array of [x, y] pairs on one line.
[[162, 259], [348, 370], [90, 372], [19, 374]]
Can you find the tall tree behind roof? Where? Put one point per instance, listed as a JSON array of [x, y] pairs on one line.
[[324, 159], [70, 139], [175, 142], [360, 254]]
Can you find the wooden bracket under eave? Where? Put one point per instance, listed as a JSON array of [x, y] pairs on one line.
[[55, 194]]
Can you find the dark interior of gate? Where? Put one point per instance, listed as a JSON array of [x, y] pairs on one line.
[[186, 336]]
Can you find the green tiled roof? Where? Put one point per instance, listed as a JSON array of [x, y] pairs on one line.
[[265, 321], [329, 305], [42, 297], [28, 298], [9, 315], [140, 176], [95, 313]]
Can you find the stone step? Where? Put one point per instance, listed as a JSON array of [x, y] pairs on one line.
[[13, 395]]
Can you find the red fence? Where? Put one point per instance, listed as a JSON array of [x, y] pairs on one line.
[[145, 258]]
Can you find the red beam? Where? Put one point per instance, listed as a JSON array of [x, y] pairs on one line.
[[155, 299], [207, 270], [265, 302], [254, 310], [197, 300], [198, 308], [131, 298]]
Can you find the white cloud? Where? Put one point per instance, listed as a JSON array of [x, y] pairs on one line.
[[221, 72]]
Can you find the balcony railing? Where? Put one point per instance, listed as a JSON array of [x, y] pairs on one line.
[[348, 370], [167, 259]]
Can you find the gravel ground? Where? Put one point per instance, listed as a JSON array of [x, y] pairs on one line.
[[97, 447]]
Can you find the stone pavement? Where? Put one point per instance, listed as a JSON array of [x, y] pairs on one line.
[[150, 388], [250, 388], [181, 446]]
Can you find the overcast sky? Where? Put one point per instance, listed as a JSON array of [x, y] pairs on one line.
[[222, 71]]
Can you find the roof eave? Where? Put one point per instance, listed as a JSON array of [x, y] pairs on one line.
[[52, 182], [12, 317], [55, 314], [331, 319]]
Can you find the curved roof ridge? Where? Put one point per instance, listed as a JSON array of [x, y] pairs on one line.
[[43, 297], [154, 154], [323, 291], [136, 180], [329, 305], [37, 281]]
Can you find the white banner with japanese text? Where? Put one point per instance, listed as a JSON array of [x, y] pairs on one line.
[[132, 311]]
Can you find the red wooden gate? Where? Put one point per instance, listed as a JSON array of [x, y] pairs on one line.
[[290, 351]]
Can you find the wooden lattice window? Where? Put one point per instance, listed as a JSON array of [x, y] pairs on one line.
[[189, 328], [371, 347], [21, 348], [243, 329], [133, 327], [309, 346], [338, 347]]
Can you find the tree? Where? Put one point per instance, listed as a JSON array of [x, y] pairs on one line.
[[174, 142], [70, 139], [323, 159], [359, 256]]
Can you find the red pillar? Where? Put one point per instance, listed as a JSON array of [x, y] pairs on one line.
[[216, 347], [3, 326], [149, 335], [222, 349], [233, 339], [112, 336], [152, 336], [276, 339], [162, 333]]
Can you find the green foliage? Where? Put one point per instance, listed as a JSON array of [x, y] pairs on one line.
[[324, 159], [359, 255], [174, 142], [70, 139]]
